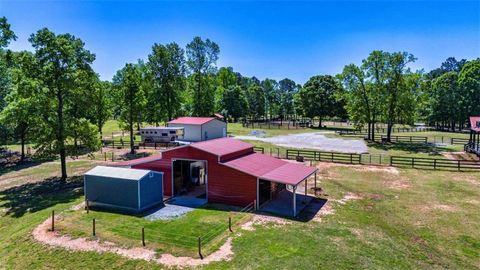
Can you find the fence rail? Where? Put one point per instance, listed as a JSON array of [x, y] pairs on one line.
[[376, 159], [350, 158], [433, 163]]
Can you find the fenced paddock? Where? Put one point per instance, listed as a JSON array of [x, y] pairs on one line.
[[196, 234]]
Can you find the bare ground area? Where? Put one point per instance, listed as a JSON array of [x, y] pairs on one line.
[[44, 235], [460, 156]]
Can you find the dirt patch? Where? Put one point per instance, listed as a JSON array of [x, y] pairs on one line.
[[445, 207], [44, 235], [474, 180], [398, 183], [460, 156], [263, 220], [327, 209], [78, 207], [350, 196]]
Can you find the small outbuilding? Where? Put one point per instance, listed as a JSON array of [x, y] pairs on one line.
[[473, 144], [196, 129], [131, 190]]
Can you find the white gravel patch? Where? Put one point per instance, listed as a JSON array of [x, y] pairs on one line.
[[313, 141]]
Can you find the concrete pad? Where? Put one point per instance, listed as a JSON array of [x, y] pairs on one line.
[[176, 207], [283, 204]]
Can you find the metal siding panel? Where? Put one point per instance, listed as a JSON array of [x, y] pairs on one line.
[[112, 191], [151, 190]]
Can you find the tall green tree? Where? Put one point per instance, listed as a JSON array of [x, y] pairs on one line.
[[234, 102], [286, 90], [167, 66], [397, 91], [361, 102], [202, 56], [21, 113], [62, 61], [256, 101], [225, 79], [129, 96], [469, 82], [317, 98], [445, 99], [272, 97], [101, 105]]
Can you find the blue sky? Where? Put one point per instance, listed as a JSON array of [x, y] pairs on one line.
[[263, 39]]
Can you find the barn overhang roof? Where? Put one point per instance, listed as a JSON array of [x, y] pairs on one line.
[[271, 169]]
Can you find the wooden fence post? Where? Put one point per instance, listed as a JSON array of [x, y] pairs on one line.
[[200, 247], [113, 157], [105, 154], [143, 236], [93, 227], [230, 224], [53, 220], [458, 165]]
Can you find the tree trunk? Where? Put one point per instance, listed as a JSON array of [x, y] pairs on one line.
[[22, 138], [319, 122], [60, 137]]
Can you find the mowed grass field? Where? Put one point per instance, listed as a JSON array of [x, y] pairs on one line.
[[397, 219]]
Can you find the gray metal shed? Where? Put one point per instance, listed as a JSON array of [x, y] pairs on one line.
[[126, 189]]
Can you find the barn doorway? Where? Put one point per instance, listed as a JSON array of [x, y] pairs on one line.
[[268, 190], [190, 178]]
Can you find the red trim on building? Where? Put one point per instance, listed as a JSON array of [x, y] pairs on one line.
[[475, 123]]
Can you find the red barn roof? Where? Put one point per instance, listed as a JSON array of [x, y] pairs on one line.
[[137, 161], [270, 168], [475, 123], [222, 146], [192, 120]]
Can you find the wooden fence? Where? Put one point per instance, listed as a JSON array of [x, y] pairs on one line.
[[433, 163], [349, 158], [375, 159]]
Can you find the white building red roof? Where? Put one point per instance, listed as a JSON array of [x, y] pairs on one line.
[[189, 120]]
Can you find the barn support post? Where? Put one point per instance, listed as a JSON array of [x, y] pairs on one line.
[[306, 191], [294, 201], [93, 227], [143, 236], [315, 183]]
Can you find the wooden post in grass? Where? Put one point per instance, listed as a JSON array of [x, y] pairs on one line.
[[53, 220], [112, 156], [200, 248], [255, 205], [93, 227], [143, 236], [105, 154], [230, 224]]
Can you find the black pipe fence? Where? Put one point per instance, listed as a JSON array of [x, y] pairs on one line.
[[434, 163]]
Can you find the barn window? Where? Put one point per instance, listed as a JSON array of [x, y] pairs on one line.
[[172, 131], [164, 134]]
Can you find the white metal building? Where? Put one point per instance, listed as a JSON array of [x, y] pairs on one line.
[[200, 128]]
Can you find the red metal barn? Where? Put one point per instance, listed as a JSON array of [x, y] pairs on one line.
[[228, 171]]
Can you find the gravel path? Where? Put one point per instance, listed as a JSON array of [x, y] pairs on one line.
[[316, 141]]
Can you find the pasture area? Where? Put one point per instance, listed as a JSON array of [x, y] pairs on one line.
[[372, 217]]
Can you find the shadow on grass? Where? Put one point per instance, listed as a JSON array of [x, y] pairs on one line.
[[33, 197], [427, 148], [15, 164]]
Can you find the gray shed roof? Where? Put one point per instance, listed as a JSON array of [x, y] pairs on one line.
[[116, 172]]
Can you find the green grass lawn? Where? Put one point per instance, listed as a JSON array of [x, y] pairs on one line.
[[178, 236], [409, 220]]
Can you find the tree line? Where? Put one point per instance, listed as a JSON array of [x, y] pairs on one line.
[[53, 98]]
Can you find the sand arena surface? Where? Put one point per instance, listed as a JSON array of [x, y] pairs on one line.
[[313, 140]]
